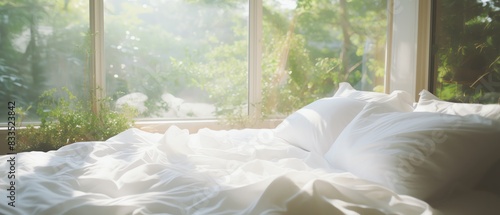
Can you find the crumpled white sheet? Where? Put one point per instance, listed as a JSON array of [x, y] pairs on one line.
[[210, 172]]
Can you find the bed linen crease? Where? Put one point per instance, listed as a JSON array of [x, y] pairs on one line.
[[210, 172]]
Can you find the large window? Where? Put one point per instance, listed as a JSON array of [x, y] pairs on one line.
[[44, 44], [466, 50], [177, 59], [181, 59]]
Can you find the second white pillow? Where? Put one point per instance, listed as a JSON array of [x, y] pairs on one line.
[[425, 155]]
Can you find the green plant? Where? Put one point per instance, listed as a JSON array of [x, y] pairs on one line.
[[67, 119], [466, 54]]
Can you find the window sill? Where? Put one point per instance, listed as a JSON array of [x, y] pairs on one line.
[[160, 126]]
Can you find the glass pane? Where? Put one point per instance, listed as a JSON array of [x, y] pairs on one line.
[[311, 46], [466, 57], [43, 45], [177, 58]]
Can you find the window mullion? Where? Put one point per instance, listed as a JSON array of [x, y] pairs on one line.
[[423, 47], [255, 59], [97, 52], [388, 47]]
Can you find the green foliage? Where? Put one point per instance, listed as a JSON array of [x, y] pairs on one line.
[[301, 62], [226, 68], [66, 119], [12, 82], [467, 57], [37, 42], [151, 56]]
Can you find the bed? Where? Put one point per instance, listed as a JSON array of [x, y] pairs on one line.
[[356, 152]]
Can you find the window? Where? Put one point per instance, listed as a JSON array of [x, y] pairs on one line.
[[177, 59], [466, 51], [311, 46], [180, 59], [43, 44]]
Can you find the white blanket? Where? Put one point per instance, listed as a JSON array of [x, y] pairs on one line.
[[210, 172]]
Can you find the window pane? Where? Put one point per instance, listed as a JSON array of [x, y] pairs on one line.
[[466, 57], [311, 46], [177, 58], [43, 45]]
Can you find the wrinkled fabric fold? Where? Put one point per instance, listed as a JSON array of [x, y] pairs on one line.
[[209, 172]]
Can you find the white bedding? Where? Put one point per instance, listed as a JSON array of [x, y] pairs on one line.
[[439, 156], [210, 172]]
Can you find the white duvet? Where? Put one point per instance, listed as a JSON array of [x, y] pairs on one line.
[[210, 172]]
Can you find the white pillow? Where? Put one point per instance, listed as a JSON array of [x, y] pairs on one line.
[[421, 154], [316, 126], [430, 103], [404, 100]]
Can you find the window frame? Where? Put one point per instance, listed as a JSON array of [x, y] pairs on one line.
[[97, 72], [421, 12], [159, 125], [96, 12], [408, 58]]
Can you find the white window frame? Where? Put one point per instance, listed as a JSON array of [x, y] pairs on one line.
[[255, 59], [400, 13], [97, 73], [407, 60], [408, 54], [159, 125]]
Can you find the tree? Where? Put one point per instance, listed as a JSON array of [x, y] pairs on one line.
[[467, 57], [36, 37]]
